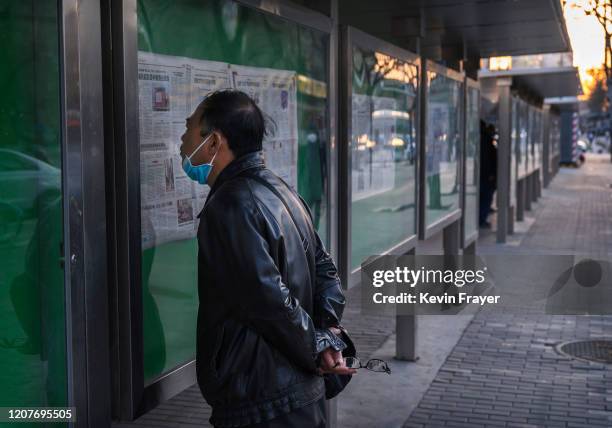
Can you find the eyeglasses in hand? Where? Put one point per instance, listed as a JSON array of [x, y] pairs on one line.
[[374, 365]]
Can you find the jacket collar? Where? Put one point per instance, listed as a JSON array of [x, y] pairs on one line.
[[235, 167]]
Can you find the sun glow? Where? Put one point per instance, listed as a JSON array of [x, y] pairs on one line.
[[587, 38]]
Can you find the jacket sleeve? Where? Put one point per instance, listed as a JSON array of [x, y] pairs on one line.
[[234, 235], [329, 300]]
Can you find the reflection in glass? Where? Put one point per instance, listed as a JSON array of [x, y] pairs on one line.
[[472, 160], [443, 142], [32, 326], [523, 138], [383, 153], [537, 146], [531, 137], [227, 33], [554, 132], [514, 140]]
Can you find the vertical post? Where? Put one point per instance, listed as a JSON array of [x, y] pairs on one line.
[[528, 192], [450, 238], [331, 406], [546, 145], [503, 158], [344, 154], [84, 213], [520, 200], [470, 250], [406, 338], [406, 335], [406, 325], [513, 175], [463, 178], [421, 150], [332, 178]]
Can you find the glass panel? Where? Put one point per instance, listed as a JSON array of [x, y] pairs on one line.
[[535, 141], [33, 323], [539, 140], [532, 137], [186, 50], [554, 139], [443, 142], [514, 138], [470, 216], [523, 138], [383, 153]]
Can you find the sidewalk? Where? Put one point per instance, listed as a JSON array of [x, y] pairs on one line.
[[504, 370], [485, 369]]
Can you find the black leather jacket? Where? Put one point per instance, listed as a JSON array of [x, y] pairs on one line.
[[264, 309]]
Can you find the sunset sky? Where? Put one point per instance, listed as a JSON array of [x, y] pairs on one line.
[[587, 39]]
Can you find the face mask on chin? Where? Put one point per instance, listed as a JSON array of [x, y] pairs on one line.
[[198, 173]]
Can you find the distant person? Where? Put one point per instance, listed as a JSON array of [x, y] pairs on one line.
[[270, 301], [488, 173]]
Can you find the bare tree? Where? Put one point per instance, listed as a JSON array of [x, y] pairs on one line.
[[602, 10]]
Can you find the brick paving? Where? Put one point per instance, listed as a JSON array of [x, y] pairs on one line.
[[188, 408], [504, 371]]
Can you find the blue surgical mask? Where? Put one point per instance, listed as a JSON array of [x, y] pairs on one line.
[[198, 173]]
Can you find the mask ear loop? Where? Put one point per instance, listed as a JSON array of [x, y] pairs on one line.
[[214, 156], [198, 148]]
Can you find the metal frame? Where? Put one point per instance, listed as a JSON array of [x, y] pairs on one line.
[[350, 37], [473, 237], [427, 231], [514, 152], [523, 162], [84, 234], [503, 159], [531, 144], [132, 397]]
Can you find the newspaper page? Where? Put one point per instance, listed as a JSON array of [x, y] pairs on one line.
[[163, 90], [168, 88], [275, 93], [205, 77]]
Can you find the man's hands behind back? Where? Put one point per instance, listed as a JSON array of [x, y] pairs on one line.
[[332, 360]]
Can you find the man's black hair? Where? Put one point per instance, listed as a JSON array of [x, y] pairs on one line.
[[237, 117]]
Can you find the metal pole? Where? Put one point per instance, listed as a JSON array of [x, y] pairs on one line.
[[406, 325], [503, 158], [520, 200], [546, 145]]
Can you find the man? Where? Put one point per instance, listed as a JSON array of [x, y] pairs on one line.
[[488, 173], [270, 301]]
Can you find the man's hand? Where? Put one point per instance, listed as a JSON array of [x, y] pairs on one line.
[[332, 361]]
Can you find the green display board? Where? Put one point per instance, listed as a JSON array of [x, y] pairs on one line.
[[32, 325], [229, 33], [383, 153], [442, 149], [472, 161]]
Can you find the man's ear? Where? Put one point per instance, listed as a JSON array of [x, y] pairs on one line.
[[219, 140], [215, 142]]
